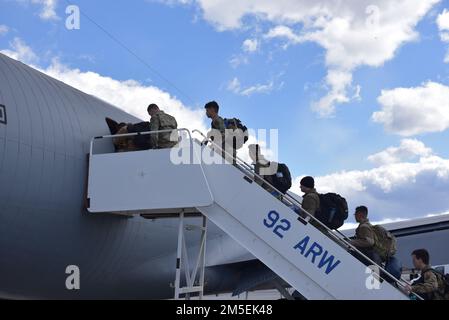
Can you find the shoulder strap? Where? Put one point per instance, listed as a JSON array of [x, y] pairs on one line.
[[440, 279], [436, 273]]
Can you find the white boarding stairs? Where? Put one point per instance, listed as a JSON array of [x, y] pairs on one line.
[[192, 177]]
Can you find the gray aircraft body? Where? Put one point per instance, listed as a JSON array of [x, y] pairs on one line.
[[45, 130], [45, 133]]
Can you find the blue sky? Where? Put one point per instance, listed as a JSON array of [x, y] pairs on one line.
[[270, 64]]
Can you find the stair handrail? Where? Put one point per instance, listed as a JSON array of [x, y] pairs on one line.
[[341, 241]]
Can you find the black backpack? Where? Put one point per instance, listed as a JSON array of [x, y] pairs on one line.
[[282, 179], [242, 133], [333, 210]]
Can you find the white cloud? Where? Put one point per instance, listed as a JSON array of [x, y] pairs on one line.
[[444, 37], [412, 111], [235, 86], [20, 51], [409, 149], [357, 91], [285, 33], [3, 29], [130, 95], [443, 20], [353, 33], [47, 8], [238, 60], [250, 45], [443, 26], [397, 190], [258, 88], [338, 82], [48, 11]]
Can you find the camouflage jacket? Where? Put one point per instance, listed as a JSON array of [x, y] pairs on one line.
[[311, 202], [364, 235], [218, 128], [163, 121], [429, 286]]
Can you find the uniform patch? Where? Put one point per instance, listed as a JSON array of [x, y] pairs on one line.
[[2, 114]]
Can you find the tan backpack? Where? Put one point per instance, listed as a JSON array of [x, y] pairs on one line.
[[384, 242]]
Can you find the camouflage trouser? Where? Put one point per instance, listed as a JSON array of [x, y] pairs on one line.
[[165, 139]]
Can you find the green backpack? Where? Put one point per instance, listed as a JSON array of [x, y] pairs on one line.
[[384, 242]]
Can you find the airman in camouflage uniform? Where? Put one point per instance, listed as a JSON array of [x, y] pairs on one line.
[[264, 169], [365, 237], [310, 201], [430, 286], [219, 131], [162, 121]]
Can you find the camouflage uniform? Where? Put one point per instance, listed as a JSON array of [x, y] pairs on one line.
[[311, 204], [429, 286], [364, 241], [162, 121], [218, 125], [364, 235]]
